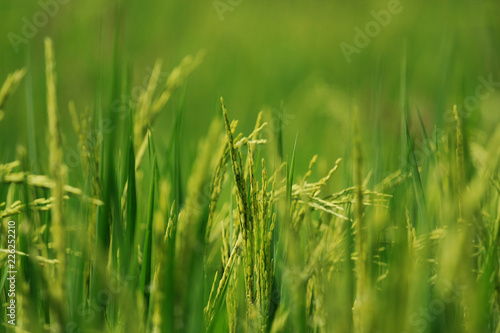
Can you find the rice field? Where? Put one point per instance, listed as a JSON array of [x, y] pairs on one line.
[[131, 213]]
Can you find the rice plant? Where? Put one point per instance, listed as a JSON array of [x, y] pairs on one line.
[[120, 243]]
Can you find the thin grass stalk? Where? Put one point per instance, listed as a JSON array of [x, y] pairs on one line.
[[360, 308], [10, 85], [215, 298], [244, 215], [58, 171], [460, 161]]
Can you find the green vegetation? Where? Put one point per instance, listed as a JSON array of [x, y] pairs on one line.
[[123, 224]]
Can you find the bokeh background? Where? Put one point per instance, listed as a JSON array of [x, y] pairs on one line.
[[261, 55]]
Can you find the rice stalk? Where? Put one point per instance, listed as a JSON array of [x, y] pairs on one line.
[[244, 212], [142, 116], [216, 187], [164, 281], [44, 182], [58, 172], [361, 307], [460, 161], [9, 87], [178, 75], [215, 298], [149, 109]]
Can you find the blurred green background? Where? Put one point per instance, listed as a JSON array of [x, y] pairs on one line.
[[279, 55]]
